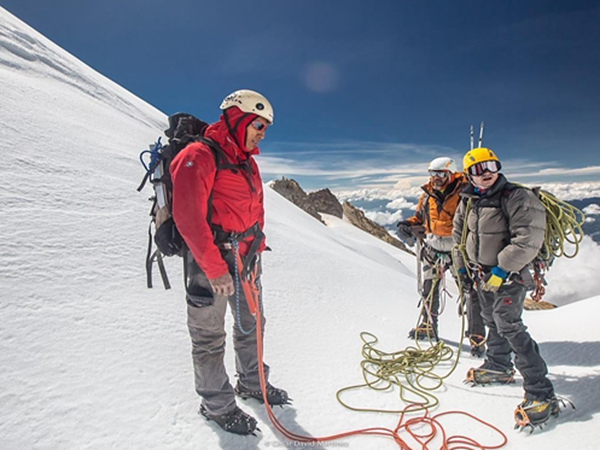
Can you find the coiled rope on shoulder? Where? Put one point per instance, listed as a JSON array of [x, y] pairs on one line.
[[563, 225]]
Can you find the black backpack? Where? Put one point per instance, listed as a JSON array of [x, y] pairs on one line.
[[183, 130]]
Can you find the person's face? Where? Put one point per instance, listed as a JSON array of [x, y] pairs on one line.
[[255, 133], [485, 180], [439, 178]]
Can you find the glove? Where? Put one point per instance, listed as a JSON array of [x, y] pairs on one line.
[[418, 231], [465, 281], [493, 280], [410, 231], [405, 233]]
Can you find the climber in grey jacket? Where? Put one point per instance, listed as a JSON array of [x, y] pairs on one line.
[[505, 226]]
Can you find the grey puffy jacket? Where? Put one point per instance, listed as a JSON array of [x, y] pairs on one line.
[[494, 238]]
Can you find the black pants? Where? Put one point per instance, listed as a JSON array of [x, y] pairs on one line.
[[501, 313]]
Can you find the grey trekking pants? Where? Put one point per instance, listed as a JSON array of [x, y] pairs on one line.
[[206, 324], [501, 313]]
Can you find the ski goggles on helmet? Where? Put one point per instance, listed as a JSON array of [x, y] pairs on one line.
[[479, 169], [439, 173], [258, 125]]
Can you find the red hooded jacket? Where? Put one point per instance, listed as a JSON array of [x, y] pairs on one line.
[[237, 204]]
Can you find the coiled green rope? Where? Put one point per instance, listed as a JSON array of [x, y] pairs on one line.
[[411, 369], [563, 225]]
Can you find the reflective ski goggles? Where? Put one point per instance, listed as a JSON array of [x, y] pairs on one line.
[[258, 125], [439, 173], [485, 166]]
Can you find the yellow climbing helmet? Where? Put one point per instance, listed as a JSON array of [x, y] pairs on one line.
[[478, 155]]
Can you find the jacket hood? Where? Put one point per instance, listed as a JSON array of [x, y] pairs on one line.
[[231, 129]]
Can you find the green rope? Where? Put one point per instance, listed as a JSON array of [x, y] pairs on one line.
[[563, 225], [411, 369]]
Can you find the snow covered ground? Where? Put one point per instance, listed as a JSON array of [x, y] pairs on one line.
[[91, 359]]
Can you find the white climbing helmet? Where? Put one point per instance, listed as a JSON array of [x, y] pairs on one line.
[[250, 102], [442, 163]]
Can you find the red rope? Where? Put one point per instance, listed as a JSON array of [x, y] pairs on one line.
[[456, 442]]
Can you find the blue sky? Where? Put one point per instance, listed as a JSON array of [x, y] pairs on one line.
[[365, 93]]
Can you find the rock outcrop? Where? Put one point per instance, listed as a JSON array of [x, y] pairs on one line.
[[325, 202], [291, 190], [357, 218]]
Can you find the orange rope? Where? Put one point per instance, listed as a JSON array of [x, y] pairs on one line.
[[456, 442]]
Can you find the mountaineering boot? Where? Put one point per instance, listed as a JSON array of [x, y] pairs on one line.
[[275, 396], [484, 374], [235, 421], [477, 345], [531, 413], [423, 332]]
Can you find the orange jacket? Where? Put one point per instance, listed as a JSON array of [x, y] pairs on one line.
[[435, 210]]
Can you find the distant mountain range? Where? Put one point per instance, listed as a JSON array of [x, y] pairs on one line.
[[378, 211]]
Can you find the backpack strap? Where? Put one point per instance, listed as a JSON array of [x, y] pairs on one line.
[[158, 257], [508, 188]]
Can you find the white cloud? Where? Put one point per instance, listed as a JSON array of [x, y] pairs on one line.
[[358, 165], [378, 194], [591, 170], [384, 218], [400, 203], [574, 279], [592, 210], [574, 191], [564, 191]]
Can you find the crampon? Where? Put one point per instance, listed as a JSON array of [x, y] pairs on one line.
[[481, 376], [534, 414], [275, 396], [477, 345], [424, 332]]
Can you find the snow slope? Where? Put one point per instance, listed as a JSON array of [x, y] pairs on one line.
[[91, 359]]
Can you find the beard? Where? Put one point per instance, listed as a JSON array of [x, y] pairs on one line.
[[439, 185]]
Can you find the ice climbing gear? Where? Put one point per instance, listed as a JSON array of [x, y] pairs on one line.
[[477, 345], [533, 414], [275, 396], [482, 375], [236, 421]]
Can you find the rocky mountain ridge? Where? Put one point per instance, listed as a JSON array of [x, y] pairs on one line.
[[324, 201]]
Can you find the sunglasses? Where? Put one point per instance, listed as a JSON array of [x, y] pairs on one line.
[[439, 173], [485, 166], [258, 125]]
